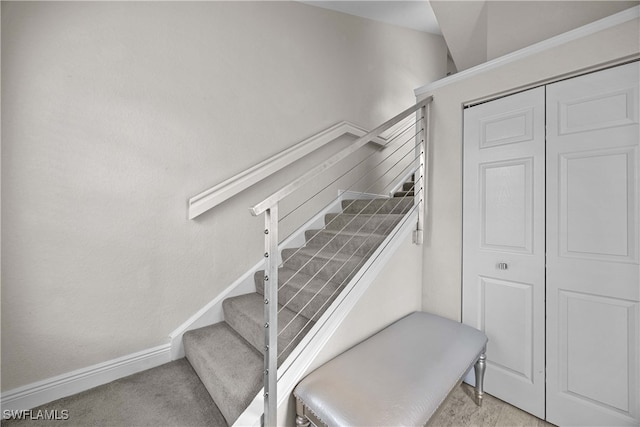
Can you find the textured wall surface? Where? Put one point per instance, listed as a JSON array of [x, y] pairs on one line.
[[115, 113]]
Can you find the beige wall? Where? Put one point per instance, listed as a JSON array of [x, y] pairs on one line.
[[464, 25], [443, 246], [115, 113], [477, 31], [534, 21]]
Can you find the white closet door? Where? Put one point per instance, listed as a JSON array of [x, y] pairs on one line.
[[503, 243], [593, 283]]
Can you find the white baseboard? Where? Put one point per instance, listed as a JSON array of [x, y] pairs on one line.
[[41, 392], [405, 178], [45, 391], [212, 312]]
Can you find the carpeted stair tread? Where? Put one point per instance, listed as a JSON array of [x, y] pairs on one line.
[[324, 253], [301, 292], [228, 356], [408, 186], [377, 206], [323, 264], [403, 194], [362, 223], [228, 366], [245, 314], [362, 244], [167, 395]]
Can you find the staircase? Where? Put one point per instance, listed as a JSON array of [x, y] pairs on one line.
[[229, 356]]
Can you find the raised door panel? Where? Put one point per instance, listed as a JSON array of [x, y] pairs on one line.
[[606, 109], [598, 351], [507, 319], [598, 211], [506, 197], [506, 128]]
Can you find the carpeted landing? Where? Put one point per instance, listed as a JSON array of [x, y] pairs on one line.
[[169, 395]]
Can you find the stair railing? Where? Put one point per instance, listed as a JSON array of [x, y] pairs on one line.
[[413, 162]]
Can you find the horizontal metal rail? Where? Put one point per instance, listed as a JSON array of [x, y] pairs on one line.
[[355, 146]]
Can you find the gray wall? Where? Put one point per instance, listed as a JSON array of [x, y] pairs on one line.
[[114, 114]]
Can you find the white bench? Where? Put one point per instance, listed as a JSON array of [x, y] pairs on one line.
[[399, 376]]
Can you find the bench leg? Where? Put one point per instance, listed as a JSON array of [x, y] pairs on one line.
[[479, 368], [301, 419]]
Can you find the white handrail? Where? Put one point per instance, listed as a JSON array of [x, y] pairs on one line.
[[217, 194], [357, 144]]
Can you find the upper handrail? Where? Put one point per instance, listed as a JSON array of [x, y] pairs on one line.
[[217, 194], [356, 145]]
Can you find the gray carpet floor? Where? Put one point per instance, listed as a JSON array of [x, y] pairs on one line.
[[169, 395]]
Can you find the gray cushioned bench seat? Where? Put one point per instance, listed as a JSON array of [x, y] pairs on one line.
[[399, 376]]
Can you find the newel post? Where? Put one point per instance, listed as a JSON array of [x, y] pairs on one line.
[[420, 181], [271, 317]]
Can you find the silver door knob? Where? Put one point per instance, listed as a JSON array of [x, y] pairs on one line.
[[502, 266]]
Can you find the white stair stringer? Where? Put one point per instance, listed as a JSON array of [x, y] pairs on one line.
[[297, 363], [212, 312]]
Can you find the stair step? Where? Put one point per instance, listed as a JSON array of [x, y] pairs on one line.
[[362, 223], [408, 186], [228, 356], [323, 264], [302, 293], [403, 194], [377, 206], [361, 244], [245, 314], [228, 366]]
